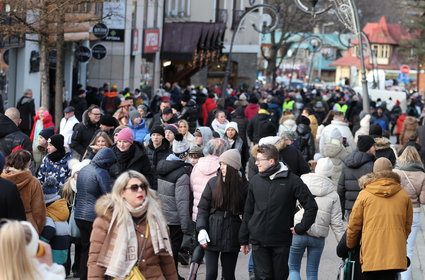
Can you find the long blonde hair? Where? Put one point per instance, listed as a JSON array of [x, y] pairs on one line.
[[15, 262], [117, 202], [409, 155]]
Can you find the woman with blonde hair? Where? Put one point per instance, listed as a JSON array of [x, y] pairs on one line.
[[17, 170], [130, 231], [183, 129], [412, 174], [100, 140], [23, 256]]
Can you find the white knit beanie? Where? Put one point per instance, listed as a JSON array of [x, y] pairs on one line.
[[232, 125], [269, 140], [180, 145], [324, 167]]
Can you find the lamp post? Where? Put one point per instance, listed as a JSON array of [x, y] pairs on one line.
[[265, 29], [348, 15], [315, 44]]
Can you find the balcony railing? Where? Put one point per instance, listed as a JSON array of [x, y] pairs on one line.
[[221, 16]]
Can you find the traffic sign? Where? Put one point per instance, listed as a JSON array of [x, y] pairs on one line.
[[83, 53], [405, 69], [100, 30], [99, 51]]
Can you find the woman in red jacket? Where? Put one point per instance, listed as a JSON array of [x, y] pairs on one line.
[[42, 120]]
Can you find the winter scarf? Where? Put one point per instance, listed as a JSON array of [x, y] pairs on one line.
[[57, 155], [123, 158], [271, 170], [122, 239]]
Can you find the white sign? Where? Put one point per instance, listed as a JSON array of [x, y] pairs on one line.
[[114, 14]]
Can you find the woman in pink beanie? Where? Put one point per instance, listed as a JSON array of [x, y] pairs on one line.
[[131, 155]]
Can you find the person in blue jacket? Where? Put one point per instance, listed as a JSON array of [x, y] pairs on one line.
[[138, 126], [93, 181]]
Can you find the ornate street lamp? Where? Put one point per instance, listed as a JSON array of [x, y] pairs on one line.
[[315, 45], [272, 11], [348, 15]]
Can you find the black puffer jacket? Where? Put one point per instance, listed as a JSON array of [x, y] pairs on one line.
[[160, 153], [190, 114], [270, 207], [82, 135], [137, 160], [356, 164], [26, 108], [261, 126], [222, 226], [306, 141], [11, 137]]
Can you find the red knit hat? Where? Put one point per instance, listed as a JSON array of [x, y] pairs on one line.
[[126, 135]]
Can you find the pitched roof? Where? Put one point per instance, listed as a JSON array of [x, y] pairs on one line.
[[382, 32], [348, 60]]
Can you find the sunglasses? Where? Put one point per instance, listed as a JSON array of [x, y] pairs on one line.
[[135, 187]]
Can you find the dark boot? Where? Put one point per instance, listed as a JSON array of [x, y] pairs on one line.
[[193, 271]]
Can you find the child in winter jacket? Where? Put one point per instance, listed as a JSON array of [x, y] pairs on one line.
[[55, 231]]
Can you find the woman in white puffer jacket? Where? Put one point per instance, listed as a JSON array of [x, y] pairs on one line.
[[328, 215]]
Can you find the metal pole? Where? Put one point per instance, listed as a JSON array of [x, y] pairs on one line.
[[250, 10], [365, 91]]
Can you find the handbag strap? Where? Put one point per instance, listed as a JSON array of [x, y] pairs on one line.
[[144, 244], [410, 183]]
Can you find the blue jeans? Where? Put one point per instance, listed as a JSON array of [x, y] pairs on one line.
[[250, 264], [314, 246], [411, 240]]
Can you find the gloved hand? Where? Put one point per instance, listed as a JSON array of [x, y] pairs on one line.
[[203, 237]]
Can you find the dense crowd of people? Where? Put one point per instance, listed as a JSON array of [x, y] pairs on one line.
[[139, 183]]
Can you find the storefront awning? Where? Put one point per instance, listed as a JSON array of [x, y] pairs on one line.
[[183, 40]]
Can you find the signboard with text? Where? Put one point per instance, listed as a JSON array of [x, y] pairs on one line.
[[151, 41]]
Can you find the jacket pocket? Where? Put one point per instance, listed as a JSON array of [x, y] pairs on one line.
[[215, 226]]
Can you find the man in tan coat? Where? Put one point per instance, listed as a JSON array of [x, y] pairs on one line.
[[382, 217]]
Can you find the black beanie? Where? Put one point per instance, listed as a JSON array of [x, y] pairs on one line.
[[304, 120], [57, 141], [47, 132], [109, 120], [158, 129], [375, 130], [364, 143]]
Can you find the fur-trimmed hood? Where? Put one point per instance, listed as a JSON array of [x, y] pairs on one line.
[[382, 143], [105, 206], [385, 183]]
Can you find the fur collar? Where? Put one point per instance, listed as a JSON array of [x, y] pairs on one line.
[[370, 177], [382, 143]]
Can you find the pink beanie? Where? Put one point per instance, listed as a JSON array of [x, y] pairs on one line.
[[126, 135]]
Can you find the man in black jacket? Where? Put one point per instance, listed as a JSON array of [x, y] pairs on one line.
[[11, 206], [261, 125], [10, 136], [268, 220], [356, 164], [26, 108], [84, 131]]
